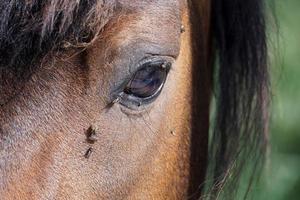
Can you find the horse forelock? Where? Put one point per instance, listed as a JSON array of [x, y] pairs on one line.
[[31, 29]]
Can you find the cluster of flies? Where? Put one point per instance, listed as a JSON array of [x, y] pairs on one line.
[[91, 138]]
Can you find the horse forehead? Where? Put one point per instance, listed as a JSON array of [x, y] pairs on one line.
[[137, 4], [150, 15]]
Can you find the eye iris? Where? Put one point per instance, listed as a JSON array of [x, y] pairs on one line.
[[147, 81]]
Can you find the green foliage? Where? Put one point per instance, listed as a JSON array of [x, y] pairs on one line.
[[281, 180]]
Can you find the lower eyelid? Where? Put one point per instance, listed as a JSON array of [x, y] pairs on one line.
[[137, 112]]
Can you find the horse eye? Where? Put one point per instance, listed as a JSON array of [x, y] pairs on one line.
[[148, 80]]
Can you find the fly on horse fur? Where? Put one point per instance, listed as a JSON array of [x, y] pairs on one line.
[[159, 64], [91, 134], [88, 153]]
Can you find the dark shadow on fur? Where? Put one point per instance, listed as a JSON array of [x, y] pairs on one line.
[[201, 91]]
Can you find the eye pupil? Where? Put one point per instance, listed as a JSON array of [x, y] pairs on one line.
[[147, 81]]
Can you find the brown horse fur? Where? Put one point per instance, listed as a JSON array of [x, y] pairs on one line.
[[60, 62]]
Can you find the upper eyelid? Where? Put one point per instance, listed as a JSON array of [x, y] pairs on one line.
[[162, 55], [146, 59], [157, 58]]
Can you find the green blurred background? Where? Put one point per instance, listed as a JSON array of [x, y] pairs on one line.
[[282, 175]]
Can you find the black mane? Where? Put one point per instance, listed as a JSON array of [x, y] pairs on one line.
[[239, 138]]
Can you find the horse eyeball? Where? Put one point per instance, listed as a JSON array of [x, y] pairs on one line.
[[148, 80]]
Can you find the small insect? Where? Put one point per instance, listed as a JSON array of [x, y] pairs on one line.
[[115, 101], [166, 65], [173, 132], [88, 153], [91, 134], [182, 29]]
